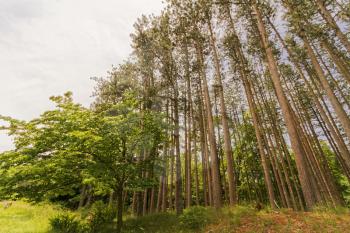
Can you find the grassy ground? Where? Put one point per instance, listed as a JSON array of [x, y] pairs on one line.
[[25, 218], [282, 221], [248, 220], [22, 217]]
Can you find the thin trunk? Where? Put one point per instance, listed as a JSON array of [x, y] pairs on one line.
[[333, 24], [288, 114], [332, 127], [152, 197], [215, 174], [342, 115], [110, 201], [82, 196], [188, 140], [172, 161], [119, 193], [342, 68], [224, 121], [196, 165], [243, 70], [178, 184], [203, 140]]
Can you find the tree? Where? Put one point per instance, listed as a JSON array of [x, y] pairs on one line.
[[100, 147]]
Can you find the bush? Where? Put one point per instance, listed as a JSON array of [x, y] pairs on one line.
[[166, 222], [66, 223], [332, 210], [236, 213], [100, 214], [197, 217]]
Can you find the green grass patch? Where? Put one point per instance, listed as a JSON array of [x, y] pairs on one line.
[[22, 217], [155, 223]]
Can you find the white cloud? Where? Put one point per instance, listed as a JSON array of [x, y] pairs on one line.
[[48, 47]]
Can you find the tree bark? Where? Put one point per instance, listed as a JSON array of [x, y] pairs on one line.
[[333, 24], [244, 75], [342, 115], [215, 174], [224, 120], [119, 193], [288, 114]]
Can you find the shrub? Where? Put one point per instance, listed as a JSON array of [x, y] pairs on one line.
[[238, 212], [331, 210], [196, 217], [166, 222], [100, 214], [66, 223]]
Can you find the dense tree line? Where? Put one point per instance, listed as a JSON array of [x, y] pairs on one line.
[[221, 102]]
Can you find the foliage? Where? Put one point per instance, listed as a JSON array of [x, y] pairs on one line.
[[99, 215], [112, 89], [160, 222], [341, 181], [196, 217], [71, 145], [72, 154], [22, 217], [248, 163], [67, 223], [237, 213]]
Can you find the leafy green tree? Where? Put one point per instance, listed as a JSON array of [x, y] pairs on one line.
[[70, 146], [249, 173], [341, 180]]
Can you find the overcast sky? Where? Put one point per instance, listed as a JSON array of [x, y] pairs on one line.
[[48, 47]]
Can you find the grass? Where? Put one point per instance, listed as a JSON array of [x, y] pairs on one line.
[[155, 223], [22, 217], [245, 219]]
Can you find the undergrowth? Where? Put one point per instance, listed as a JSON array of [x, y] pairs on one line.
[[22, 217]]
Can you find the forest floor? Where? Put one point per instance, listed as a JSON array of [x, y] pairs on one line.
[[243, 219], [21, 217], [284, 221]]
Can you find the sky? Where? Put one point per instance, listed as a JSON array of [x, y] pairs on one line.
[[49, 47]]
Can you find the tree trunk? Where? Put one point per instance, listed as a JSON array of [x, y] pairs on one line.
[[224, 121], [82, 196], [342, 115], [342, 68], [252, 108], [178, 179], [331, 22], [204, 146], [196, 165], [119, 193], [215, 172], [345, 154], [188, 132], [288, 114]]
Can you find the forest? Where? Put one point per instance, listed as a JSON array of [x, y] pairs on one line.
[[222, 105]]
